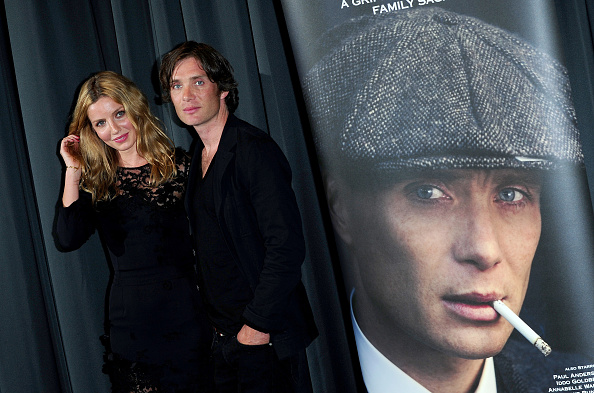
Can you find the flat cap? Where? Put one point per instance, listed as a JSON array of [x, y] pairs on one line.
[[432, 89]]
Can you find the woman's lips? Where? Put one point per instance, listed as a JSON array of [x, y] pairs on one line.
[[472, 306], [121, 139]]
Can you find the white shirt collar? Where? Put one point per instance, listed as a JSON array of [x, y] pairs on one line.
[[381, 375]]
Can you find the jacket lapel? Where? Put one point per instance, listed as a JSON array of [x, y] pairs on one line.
[[224, 155], [227, 142], [193, 177]]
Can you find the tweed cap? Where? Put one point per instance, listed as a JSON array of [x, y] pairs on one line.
[[431, 89]]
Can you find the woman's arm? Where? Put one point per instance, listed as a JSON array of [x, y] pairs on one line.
[[75, 222], [73, 170]]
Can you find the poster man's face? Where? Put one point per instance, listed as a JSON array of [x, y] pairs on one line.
[[433, 250]]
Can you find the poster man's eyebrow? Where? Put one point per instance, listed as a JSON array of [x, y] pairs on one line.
[[503, 174], [532, 177]]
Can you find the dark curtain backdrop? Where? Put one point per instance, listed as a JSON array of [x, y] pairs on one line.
[[52, 303]]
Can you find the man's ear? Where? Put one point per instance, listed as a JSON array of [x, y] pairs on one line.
[[337, 196], [224, 95]]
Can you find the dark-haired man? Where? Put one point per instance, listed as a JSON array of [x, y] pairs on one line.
[[247, 228], [435, 131]]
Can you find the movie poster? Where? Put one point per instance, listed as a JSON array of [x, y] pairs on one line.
[[454, 175]]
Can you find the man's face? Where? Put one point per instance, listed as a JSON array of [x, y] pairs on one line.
[[434, 250], [196, 98]]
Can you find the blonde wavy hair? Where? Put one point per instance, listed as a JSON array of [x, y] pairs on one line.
[[98, 161]]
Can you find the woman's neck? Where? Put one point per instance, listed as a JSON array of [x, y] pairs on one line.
[[133, 160]]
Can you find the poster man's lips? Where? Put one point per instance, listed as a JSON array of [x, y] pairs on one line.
[[472, 306], [474, 297]]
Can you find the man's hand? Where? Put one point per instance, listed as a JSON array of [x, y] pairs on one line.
[[249, 336]]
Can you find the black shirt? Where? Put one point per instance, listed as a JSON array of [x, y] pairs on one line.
[[225, 289]]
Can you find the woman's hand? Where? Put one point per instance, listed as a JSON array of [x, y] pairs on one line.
[[68, 147]]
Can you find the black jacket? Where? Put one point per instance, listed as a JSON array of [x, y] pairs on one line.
[[521, 368], [259, 218]]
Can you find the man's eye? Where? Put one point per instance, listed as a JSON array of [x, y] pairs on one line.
[[175, 87], [429, 192], [199, 83], [510, 195]]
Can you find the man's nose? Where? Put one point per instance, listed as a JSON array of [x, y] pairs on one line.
[[477, 237], [187, 93]]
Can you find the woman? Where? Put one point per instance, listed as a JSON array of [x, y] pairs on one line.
[[125, 180]]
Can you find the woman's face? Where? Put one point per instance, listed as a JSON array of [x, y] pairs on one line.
[[110, 121]]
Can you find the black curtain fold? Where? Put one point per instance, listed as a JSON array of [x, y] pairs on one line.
[[29, 331], [52, 48], [52, 302]]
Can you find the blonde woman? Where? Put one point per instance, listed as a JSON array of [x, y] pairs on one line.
[[125, 180]]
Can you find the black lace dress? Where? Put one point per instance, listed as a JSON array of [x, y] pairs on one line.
[[159, 336]]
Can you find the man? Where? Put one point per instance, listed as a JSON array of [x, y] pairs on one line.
[[247, 228], [435, 132]]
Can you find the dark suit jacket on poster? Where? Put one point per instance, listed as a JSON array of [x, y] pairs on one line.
[[258, 215], [521, 368]]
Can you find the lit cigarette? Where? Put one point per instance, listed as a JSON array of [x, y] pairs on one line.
[[521, 327]]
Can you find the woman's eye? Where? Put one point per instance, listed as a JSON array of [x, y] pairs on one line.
[[429, 192], [510, 195], [120, 114], [100, 123]]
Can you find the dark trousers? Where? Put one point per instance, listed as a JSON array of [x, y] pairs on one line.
[[256, 369]]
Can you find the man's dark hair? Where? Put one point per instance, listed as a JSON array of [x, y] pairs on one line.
[[217, 68]]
